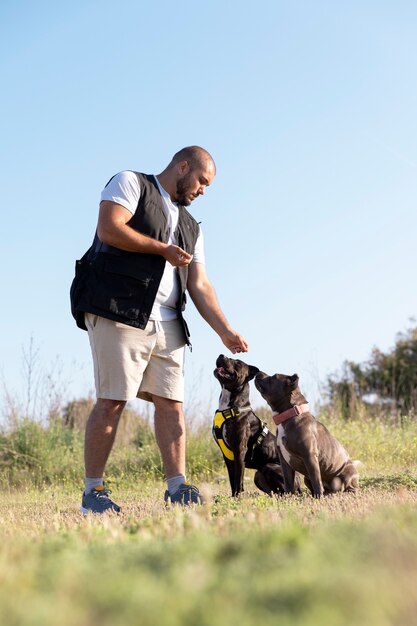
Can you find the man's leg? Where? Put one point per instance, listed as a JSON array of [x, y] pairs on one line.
[[170, 434], [100, 433], [171, 438], [120, 356]]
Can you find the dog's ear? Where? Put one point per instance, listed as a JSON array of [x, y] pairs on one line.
[[292, 381], [252, 371]]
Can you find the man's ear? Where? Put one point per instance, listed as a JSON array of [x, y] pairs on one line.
[[183, 167], [252, 371], [292, 381]]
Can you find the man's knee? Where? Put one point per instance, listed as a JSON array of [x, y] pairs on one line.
[[112, 409], [166, 408]]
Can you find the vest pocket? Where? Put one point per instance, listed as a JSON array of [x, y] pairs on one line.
[[121, 288], [76, 290]]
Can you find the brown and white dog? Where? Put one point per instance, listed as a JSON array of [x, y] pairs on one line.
[[245, 441], [305, 444]]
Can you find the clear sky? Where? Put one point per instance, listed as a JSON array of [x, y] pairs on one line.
[[310, 111]]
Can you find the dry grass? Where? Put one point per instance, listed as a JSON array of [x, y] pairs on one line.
[[346, 560], [342, 561], [31, 514]]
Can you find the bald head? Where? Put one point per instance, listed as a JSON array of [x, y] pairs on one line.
[[189, 173], [196, 157]]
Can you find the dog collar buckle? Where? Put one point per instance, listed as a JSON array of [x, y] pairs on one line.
[[263, 434], [260, 438], [297, 409], [235, 411]]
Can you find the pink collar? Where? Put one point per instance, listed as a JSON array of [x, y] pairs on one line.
[[297, 409]]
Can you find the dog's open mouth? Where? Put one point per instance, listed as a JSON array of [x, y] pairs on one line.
[[223, 373]]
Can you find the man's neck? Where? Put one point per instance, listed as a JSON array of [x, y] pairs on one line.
[[166, 183]]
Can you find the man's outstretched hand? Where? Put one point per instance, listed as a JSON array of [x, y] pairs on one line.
[[235, 342]]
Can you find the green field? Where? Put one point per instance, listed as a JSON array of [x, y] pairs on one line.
[[344, 560]]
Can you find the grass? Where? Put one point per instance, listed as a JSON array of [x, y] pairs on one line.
[[346, 560], [342, 560]]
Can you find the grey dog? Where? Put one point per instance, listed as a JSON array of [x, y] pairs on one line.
[[305, 444]]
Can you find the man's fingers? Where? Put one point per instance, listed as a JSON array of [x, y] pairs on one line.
[[235, 342], [242, 347], [178, 257], [183, 256]]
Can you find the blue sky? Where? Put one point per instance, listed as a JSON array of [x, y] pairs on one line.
[[309, 109]]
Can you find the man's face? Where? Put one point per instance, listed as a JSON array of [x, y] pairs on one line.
[[193, 182]]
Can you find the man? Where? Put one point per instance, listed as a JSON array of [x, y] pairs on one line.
[[129, 293]]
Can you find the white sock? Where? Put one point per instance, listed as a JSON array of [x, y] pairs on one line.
[[90, 483], [174, 482]]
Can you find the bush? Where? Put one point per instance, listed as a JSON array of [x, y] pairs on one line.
[[35, 455], [388, 378], [32, 453]]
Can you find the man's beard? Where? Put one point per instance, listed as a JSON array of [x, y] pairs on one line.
[[182, 190]]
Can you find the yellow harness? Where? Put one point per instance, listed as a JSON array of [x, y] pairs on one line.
[[219, 421]]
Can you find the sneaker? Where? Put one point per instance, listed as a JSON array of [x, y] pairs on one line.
[[98, 501], [186, 494]]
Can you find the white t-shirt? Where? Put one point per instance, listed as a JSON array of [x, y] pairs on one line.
[[124, 189]]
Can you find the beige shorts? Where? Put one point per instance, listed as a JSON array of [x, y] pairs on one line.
[[130, 362]]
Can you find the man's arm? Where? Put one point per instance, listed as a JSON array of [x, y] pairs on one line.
[[204, 297], [114, 230]]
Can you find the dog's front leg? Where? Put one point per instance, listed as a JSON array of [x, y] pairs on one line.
[[231, 471], [239, 472], [241, 447], [289, 474], [308, 451], [311, 463]]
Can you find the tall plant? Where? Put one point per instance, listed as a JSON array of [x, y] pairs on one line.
[[389, 378]]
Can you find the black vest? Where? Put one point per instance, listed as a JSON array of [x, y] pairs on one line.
[[122, 286]]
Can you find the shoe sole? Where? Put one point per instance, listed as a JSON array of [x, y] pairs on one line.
[[85, 511], [168, 501]]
